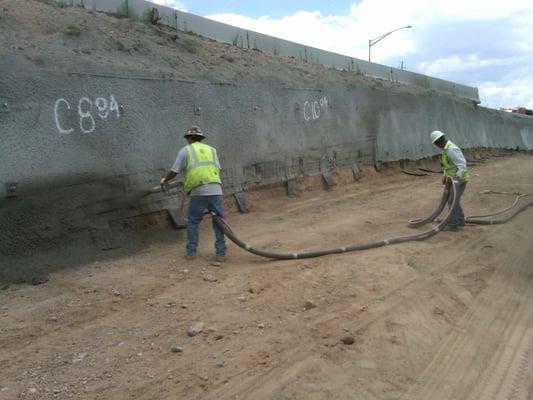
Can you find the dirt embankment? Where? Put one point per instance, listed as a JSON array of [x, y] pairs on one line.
[[447, 318], [44, 35]]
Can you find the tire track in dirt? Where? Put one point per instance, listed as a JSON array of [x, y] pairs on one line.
[[506, 375], [499, 318], [524, 375]]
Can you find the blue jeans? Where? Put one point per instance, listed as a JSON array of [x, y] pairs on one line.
[[197, 205], [458, 217]]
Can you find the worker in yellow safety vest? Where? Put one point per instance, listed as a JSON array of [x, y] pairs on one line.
[[201, 170], [454, 167]]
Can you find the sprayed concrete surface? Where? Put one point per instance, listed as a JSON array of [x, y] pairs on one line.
[[447, 318]]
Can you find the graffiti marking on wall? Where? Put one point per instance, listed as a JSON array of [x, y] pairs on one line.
[[311, 109], [87, 109]]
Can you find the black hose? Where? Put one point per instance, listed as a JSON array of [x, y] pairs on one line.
[[221, 222]]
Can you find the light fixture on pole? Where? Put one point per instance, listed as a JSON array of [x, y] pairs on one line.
[[372, 42]]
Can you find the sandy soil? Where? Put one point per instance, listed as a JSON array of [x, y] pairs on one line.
[[447, 318]]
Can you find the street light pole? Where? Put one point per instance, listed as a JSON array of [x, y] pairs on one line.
[[372, 42]]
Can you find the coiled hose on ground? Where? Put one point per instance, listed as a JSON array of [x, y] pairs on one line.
[[521, 202], [449, 190]]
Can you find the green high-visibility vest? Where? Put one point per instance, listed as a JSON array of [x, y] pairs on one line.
[[201, 167], [450, 169]]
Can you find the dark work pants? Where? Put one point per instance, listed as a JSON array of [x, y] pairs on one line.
[[458, 217]]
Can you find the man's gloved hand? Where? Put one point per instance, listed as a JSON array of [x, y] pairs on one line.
[[163, 184]]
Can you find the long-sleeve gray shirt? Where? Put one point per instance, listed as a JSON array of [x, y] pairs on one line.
[[457, 157]]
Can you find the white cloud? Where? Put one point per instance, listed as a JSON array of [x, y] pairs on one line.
[[456, 63], [484, 43], [509, 93], [178, 5], [307, 27]]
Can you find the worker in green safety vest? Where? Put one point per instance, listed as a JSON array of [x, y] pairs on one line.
[[201, 170], [454, 167]]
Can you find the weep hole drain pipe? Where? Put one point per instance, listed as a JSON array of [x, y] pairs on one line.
[[450, 189]]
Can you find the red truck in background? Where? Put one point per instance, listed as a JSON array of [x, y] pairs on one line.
[[518, 110], [523, 110]]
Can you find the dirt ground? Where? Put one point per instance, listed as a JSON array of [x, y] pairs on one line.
[[446, 318]]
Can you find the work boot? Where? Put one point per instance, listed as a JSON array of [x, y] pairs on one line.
[[218, 261], [190, 257]]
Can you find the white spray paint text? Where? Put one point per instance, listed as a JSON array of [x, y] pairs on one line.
[[87, 123], [311, 109]]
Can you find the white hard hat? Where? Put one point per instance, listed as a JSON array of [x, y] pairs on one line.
[[436, 135]]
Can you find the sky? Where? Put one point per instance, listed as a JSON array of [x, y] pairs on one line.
[[483, 43]]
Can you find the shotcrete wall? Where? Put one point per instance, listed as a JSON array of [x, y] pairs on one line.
[[84, 146], [405, 120], [83, 128]]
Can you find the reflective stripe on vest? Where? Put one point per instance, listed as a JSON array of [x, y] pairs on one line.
[[201, 166], [450, 169], [194, 160]]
